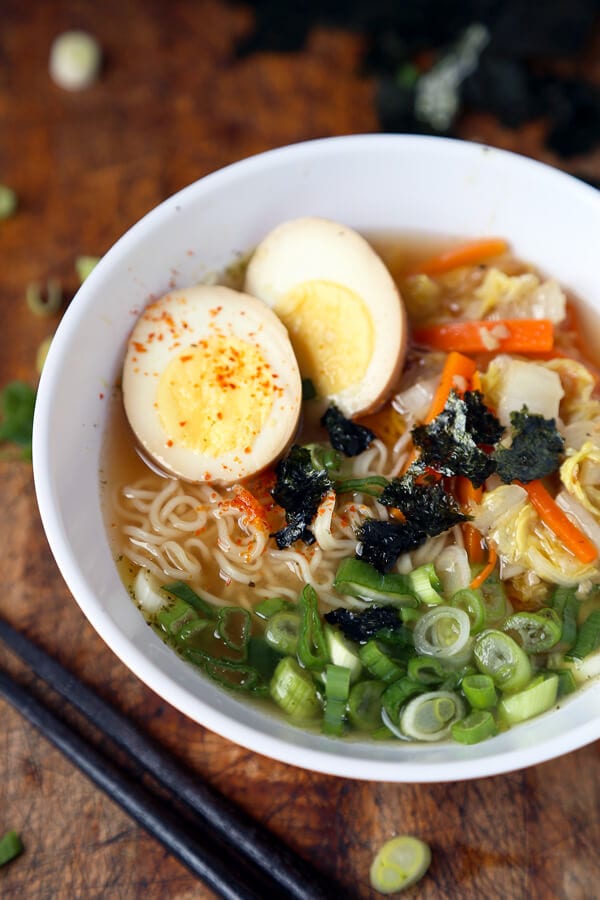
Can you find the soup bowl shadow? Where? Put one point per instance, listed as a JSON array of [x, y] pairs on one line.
[[376, 184]]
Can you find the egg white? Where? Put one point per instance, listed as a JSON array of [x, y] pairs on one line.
[[241, 415], [318, 257]]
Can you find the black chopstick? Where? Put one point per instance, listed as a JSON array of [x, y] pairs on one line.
[[204, 860], [288, 872]]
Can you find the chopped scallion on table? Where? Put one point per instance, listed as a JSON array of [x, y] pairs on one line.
[[10, 847], [400, 863]]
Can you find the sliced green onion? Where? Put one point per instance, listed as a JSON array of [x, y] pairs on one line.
[[442, 632], [471, 601], [237, 676], [379, 663], [426, 670], [364, 704], [267, 608], [323, 456], [184, 592], [536, 698], [8, 202], [588, 638], [538, 631], [397, 694], [399, 864], [337, 689], [10, 847], [408, 614], [293, 689], [85, 265], [477, 726], [75, 59], [343, 652], [564, 601], [174, 616], [282, 631], [44, 302], [312, 646], [566, 682], [479, 691], [234, 626], [360, 579], [370, 484], [429, 717], [425, 583], [499, 656], [191, 630]]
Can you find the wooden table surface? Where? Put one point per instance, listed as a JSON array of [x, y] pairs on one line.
[[172, 105]]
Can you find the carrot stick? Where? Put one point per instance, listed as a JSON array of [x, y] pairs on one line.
[[467, 495], [553, 516], [456, 367], [487, 569], [465, 255], [487, 335]]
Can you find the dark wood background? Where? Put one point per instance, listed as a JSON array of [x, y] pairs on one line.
[[172, 105]]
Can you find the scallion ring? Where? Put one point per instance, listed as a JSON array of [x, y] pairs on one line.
[[400, 863], [477, 726], [44, 302], [536, 698], [442, 632], [472, 602], [499, 656], [430, 717], [538, 631]]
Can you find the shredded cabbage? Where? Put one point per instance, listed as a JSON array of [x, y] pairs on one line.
[[519, 296], [580, 474], [509, 383], [421, 295], [578, 384], [511, 524]]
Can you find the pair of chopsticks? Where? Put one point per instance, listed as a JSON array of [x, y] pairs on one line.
[[233, 854]]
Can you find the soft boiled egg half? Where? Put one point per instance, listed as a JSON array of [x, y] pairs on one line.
[[211, 386], [340, 305]]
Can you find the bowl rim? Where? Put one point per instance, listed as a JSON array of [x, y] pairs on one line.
[[339, 761]]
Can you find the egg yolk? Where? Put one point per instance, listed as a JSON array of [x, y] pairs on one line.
[[216, 396], [331, 330]]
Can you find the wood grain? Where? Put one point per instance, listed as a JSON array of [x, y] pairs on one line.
[[172, 105]]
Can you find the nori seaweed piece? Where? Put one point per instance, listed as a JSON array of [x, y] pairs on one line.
[[344, 434], [424, 503], [381, 542], [362, 625], [535, 451], [449, 444], [299, 489]]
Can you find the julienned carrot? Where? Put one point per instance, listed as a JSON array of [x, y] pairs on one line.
[[486, 335], [457, 368], [487, 569], [572, 537], [467, 495], [465, 255]]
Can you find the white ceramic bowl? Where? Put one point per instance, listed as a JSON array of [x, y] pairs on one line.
[[370, 182]]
